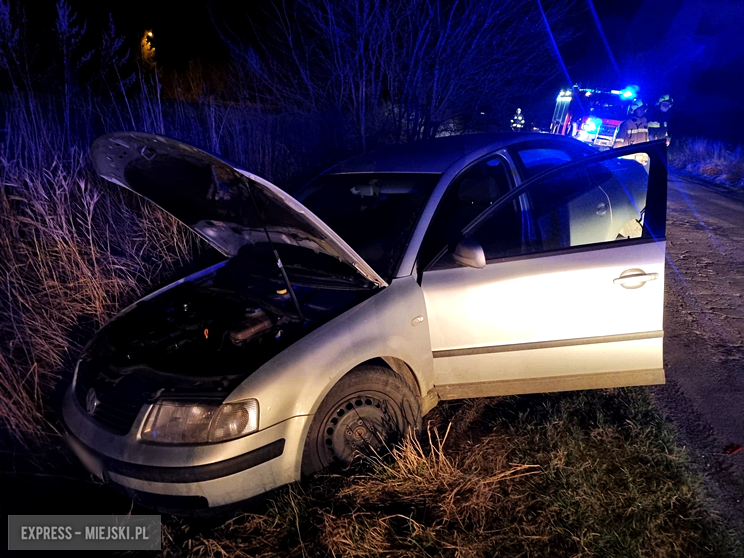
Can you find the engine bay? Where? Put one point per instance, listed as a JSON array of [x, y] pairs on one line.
[[199, 331], [198, 339]]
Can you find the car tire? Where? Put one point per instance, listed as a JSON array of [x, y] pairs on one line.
[[367, 411]]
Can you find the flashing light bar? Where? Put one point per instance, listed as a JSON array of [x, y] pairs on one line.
[[627, 93]]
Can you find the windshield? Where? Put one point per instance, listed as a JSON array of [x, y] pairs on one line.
[[374, 213], [607, 106]]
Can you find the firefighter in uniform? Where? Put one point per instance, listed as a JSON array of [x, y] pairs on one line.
[[517, 121], [658, 119], [634, 129]]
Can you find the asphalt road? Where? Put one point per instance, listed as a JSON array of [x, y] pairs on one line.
[[704, 333]]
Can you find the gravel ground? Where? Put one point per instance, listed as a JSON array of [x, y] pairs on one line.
[[704, 333]]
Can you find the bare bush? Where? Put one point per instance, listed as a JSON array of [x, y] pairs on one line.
[[711, 159], [403, 71]]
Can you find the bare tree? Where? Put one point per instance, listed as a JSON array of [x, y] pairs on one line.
[[70, 33], [113, 54], [410, 70], [9, 37]]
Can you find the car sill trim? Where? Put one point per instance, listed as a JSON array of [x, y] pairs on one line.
[[548, 344], [550, 384]]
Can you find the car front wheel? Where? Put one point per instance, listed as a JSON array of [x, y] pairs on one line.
[[366, 412]]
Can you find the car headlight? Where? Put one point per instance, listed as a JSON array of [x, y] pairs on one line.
[[177, 422]]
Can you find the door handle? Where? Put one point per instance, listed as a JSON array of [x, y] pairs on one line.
[[634, 278], [602, 208]]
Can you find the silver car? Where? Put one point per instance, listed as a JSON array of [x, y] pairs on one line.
[[468, 266]]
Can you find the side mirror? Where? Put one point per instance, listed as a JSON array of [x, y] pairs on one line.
[[468, 252]]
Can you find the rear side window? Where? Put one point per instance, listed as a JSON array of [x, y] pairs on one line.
[[536, 160]]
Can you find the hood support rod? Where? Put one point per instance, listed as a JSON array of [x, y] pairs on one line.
[[276, 254]]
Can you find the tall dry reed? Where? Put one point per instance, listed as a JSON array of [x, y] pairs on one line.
[[74, 249]]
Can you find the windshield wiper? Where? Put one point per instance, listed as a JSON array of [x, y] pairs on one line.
[[290, 289]]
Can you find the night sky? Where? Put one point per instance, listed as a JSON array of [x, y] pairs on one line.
[[690, 49]]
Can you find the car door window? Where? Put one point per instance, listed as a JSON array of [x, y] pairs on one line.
[[474, 191], [597, 202]]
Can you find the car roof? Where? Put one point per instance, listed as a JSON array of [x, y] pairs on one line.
[[435, 155]]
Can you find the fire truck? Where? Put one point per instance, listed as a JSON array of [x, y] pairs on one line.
[[592, 115]]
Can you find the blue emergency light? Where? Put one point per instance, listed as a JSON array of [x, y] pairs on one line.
[[591, 124]]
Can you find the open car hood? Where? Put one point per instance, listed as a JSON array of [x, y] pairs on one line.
[[225, 205]]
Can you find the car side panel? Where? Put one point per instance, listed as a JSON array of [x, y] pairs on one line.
[[625, 201], [295, 382], [546, 315], [519, 371], [525, 299], [594, 206]]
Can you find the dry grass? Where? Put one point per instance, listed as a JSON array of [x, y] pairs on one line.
[[579, 474], [711, 159], [73, 253]]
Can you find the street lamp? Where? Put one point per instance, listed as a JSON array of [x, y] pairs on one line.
[[147, 50]]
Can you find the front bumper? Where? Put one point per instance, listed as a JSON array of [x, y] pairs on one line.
[[185, 478]]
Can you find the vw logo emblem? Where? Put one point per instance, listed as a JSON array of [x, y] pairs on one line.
[[91, 401]]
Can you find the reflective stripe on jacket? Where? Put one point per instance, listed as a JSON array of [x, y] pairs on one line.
[[658, 124], [633, 130]]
